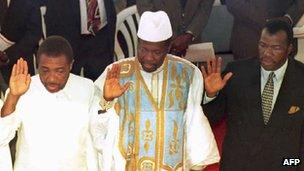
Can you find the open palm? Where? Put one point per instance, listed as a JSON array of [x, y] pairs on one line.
[[20, 79], [112, 88], [213, 80]]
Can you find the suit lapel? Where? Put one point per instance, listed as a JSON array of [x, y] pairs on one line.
[[283, 100], [253, 94], [75, 8]]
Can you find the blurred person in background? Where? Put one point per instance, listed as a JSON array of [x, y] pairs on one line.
[[89, 26], [188, 19], [250, 17]]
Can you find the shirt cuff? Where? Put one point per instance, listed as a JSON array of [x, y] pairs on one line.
[[208, 99], [288, 16], [190, 32], [105, 105], [5, 43]]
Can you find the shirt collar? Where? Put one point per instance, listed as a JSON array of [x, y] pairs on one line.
[[279, 73]]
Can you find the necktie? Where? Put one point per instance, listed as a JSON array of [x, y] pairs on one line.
[[3, 8], [94, 23], [267, 96]]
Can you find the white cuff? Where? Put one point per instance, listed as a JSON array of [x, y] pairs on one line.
[[5, 43], [105, 105], [289, 17], [208, 99]]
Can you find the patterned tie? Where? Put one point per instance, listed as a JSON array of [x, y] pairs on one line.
[[267, 96], [94, 23]]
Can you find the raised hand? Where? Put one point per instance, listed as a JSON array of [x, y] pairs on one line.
[[112, 88], [213, 80], [20, 78]]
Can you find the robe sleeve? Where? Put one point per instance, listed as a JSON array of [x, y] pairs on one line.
[[5, 155], [103, 128], [8, 127], [5, 159], [201, 147]]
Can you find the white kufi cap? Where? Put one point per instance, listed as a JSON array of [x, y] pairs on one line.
[[154, 26]]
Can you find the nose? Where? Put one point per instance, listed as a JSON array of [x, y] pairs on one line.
[[51, 77], [149, 57], [268, 51]]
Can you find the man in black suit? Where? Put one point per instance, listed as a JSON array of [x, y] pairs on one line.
[[20, 32], [263, 101], [93, 48]]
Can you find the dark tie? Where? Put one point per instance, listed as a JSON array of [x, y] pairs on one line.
[[267, 96], [94, 23], [3, 8]]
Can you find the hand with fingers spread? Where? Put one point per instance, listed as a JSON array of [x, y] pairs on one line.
[[112, 88], [213, 80], [19, 83], [20, 78]]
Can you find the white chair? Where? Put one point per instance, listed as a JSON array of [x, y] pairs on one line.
[[42, 12], [298, 32], [126, 29]]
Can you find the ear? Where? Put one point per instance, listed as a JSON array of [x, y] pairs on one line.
[[71, 65], [289, 49]]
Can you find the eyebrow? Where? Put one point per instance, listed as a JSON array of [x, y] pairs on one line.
[[44, 67]]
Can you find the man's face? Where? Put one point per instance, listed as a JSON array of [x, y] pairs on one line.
[[273, 49], [151, 55], [54, 72]]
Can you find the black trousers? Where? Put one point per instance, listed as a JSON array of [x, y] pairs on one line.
[[93, 54]]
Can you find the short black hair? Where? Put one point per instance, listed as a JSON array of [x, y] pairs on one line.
[[54, 46], [275, 25]]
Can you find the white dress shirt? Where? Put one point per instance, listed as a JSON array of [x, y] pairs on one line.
[[277, 80], [52, 128], [84, 18], [201, 148]]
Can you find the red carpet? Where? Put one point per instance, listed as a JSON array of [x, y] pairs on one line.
[[219, 133]]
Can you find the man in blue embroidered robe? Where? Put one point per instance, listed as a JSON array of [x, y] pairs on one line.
[[150, 116]]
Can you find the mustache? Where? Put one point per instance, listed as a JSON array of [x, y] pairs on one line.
[[148, 63], [51, 84]]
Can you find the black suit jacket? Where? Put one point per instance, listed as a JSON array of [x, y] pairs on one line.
[[249, 144], [63, 18], [22, 25]]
